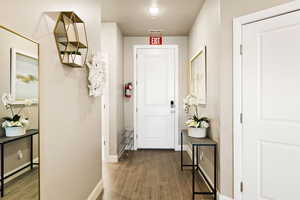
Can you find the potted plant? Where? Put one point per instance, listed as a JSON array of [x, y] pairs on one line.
[[16, 124], [197, 127]]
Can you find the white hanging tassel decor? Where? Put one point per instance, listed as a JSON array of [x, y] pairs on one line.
[[97, 74]]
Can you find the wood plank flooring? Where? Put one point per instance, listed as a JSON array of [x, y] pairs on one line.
[[24, 187], [150, 175]]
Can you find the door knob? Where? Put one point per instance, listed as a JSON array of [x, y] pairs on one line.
[[172, 104]]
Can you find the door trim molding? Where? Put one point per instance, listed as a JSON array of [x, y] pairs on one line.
[[175, 48], [105, 113], [238, 23]]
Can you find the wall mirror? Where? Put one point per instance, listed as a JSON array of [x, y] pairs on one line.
[[19, 116], [198, 76]]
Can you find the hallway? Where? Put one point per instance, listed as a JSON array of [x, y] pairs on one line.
[[149, 175]]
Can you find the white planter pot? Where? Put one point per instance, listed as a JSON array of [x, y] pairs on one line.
[[197, 132], [14, 131]]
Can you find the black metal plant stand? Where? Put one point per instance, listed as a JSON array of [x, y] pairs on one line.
[[196, 143], [127, 143], [6, 140]]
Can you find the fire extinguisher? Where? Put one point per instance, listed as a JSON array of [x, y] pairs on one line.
[[128, 90]]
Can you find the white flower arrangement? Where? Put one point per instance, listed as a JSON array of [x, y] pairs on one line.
[[196, 122], [16, 120], [191, 101], [6, 100], [20, 123]]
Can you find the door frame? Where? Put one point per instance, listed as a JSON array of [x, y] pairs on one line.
[[105, 114], [238, 23], [175, 48]]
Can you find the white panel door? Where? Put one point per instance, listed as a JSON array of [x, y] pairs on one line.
[[271, 108], [155, 91]]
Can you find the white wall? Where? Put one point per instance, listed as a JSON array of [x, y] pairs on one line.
[[70, 138], [206, 32], [182, 43], [112, 43]]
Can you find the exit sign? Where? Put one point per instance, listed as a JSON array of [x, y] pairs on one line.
[[156, 40]]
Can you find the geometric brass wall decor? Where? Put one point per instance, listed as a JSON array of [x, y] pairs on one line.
[[71, 39]]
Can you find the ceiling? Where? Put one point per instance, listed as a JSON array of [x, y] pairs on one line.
[[175, 17]]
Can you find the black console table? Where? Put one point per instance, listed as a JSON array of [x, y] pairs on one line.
[[6, 140], [195, 144]]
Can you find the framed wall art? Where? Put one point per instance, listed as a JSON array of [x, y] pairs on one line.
[[198, 82], [24, 77]]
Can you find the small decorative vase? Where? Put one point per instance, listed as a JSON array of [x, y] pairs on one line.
[[14, 131], [197, 132]]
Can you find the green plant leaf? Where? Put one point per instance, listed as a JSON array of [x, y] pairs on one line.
[[204, 119], [7, 119], [16, 118], [195, 118]]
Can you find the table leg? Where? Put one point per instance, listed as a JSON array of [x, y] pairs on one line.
[[181, 153], [2, 170], [197, 157], [193, 170], [31, 152], [215, 173]]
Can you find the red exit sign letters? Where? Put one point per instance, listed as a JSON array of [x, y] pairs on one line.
[[154, 40]]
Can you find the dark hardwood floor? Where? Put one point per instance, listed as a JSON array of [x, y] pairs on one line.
[[149, 175], [24, 187]]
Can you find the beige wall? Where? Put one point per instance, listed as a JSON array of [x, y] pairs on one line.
[[206, 32], [182, 43], [229, 10], [70, 120], [112, 44]]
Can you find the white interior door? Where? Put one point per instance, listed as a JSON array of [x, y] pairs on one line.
[[155, 92], [271, 108]]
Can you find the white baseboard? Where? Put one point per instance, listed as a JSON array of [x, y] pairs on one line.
[[97, 191], [36, 160], [178, 147], [222, 197], [112, 159]]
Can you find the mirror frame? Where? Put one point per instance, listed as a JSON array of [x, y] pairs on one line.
[[39, 107]]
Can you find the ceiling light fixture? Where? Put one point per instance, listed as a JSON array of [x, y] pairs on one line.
[[153, 11]]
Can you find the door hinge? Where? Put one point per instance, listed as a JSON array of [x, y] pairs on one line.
[[104, 142], [136, 55], [241, 118], [241, 49], [242, 187], [136, 109]]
